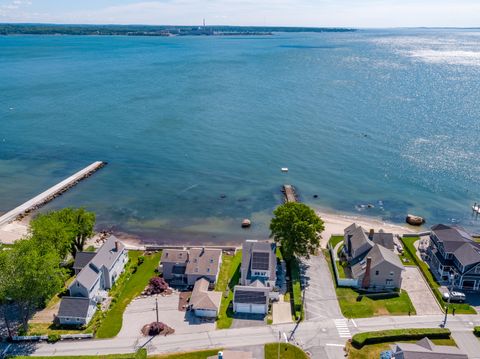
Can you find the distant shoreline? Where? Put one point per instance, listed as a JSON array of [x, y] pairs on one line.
[[152, 30]]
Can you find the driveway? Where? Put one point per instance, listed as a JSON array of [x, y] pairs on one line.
[[141, 311], [281, 312], [320, 297], [419, 292], [244, 320]]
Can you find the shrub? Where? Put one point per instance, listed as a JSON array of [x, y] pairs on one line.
[[141, 354], [140, 260], [157, 328], [157, 285], [53, 338], [476, 331], [382, 336]]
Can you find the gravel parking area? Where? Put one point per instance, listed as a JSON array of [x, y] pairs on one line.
[[141, 311], [419, 292]]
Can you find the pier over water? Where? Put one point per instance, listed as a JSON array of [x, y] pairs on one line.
[[51, 193]]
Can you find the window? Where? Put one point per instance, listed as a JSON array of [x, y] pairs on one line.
[[391, 273], [377, 272], [208, 270], [389, 282], [195, 260], [211, 260], [196, 270], [78, 319]]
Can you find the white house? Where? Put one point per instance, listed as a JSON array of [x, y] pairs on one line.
[[92, 282]]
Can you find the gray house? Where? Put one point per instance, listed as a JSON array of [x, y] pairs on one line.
[[358, 242], [259, 262], [184, 267], [453, 252], [257, 277], [380, 270], [92, 282], [425, 349]]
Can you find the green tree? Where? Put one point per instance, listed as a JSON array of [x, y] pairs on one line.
[[33, 276], [66, 230], [297, 228]]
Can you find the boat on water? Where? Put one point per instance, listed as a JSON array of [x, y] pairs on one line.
[[476, 208]]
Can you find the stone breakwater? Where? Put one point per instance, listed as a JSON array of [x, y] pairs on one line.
[[50, 194]]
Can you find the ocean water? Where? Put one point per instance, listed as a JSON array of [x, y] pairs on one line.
[[383, 117]]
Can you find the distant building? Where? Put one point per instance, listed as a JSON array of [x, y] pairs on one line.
[[425, 349], [257, 277], [184, 267], [453, 252], [93, 280], [203, 302]]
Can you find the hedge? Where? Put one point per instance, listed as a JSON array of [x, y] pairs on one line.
[[296, 288], [393, 335], [476, 331]]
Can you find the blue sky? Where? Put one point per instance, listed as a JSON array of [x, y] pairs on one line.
[[355, 13]]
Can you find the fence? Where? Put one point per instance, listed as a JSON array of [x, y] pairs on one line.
[[341, 282], [36, 338]]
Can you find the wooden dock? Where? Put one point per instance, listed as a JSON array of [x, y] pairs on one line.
[[51, 193], [289, 192]]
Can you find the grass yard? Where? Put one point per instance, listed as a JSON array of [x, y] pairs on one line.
[[341, 270], [334, 240], [228, 277], [374, 350], [129, 286], [287, 351], [460, 308], [352, 307], [201, 354]]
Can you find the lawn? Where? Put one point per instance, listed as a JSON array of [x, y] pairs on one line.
[[287, 351], [228, 277], [341, 270], [201, 354], [296, 288], [460, 308], [374, 350], [353, 305], [334, 240], [129, 286]]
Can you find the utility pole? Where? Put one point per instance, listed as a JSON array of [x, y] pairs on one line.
[[156, 307], [449, 299]]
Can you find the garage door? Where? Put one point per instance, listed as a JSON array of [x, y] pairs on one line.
[[243, 308], [257, 309]]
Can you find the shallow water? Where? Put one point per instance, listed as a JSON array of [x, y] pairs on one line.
[[385, 117]]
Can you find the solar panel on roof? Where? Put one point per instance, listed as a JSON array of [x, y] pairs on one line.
[[260, 260], [242, 296]]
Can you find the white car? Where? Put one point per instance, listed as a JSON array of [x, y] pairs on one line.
[[454, 296]]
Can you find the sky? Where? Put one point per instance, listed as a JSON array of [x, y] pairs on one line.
[[316, 13]]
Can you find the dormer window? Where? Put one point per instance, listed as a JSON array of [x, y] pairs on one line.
[[208, 270], [211, 260]]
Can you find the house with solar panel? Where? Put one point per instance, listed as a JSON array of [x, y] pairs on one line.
[[96, 274], [257, 277]]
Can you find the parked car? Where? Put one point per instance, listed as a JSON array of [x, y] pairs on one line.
[[454, 296]]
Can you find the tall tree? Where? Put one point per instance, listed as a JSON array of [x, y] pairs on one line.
[[297, 228], [66, 229], [34, 276]]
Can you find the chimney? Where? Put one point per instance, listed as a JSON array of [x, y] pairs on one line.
[[366, 277], [370, 234], [220, 355], [116, 246]]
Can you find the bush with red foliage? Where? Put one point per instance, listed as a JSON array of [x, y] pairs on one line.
[[157, 285]]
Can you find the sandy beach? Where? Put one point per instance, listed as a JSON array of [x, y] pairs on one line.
[[335, 223]]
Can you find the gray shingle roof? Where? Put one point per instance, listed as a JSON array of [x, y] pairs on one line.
[[107, 255], [203, 261], [457, 241], [383, 239], [378, 254], [358, 238], [425, 349], [174, 256], [82, 259], [202, 298], [76, 307]]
